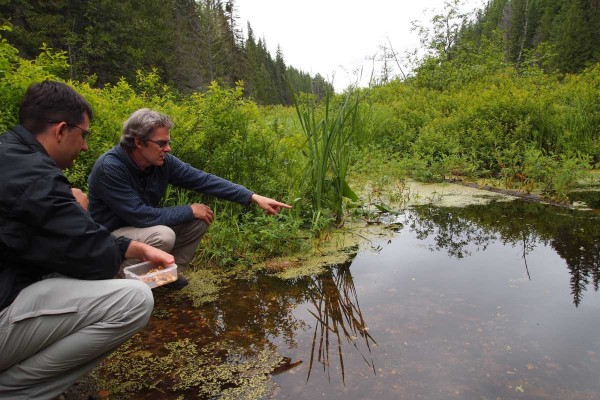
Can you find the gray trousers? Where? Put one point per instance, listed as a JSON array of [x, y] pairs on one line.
[[180, 240], [59, 329]]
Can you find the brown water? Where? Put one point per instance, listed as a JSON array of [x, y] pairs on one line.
[[483, 302]]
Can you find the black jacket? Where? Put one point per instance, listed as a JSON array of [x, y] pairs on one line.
[[42, 227]]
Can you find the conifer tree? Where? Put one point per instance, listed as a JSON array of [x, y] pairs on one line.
[[574, 39], [285, 97], [188, 42], [522, 29], [251, 62]]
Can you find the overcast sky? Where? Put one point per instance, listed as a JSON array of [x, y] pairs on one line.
[[335, 37]]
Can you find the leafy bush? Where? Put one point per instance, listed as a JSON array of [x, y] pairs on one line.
[[556, 174], [16, 74], [484, 126]]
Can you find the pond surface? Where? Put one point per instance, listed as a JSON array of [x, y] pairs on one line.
[[485, 302], [494, 301]]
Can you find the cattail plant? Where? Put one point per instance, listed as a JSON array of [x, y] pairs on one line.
[[329, 133]]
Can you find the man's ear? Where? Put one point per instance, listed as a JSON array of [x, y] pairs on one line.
[[138, 142], [59, 131]]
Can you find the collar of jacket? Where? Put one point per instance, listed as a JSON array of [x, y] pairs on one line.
[[28, 139], [123, 155]]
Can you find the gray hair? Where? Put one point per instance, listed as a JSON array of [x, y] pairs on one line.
[[140, 125]]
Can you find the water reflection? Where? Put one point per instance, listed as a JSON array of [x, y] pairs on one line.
[[455, 312], [338, 319], [574, 235], [590, 197], [263, 309]]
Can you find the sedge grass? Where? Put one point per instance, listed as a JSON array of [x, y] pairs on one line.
[[329, 133]]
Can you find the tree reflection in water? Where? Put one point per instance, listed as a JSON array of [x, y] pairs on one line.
[[574, 235], [338, 318]]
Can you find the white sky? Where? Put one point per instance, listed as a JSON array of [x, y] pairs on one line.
[[335, 37]]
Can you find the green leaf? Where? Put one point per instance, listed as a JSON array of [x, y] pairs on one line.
[[385, 209], [348, 193]]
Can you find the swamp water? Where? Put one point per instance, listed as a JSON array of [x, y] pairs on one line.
[[496, 301]]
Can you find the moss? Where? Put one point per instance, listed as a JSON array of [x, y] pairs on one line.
[[320, 262], [281, 264]]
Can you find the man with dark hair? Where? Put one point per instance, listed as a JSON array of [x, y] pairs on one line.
[[60, 311], [128, 182]]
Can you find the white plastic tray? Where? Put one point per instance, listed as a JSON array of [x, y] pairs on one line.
[[153, 279]]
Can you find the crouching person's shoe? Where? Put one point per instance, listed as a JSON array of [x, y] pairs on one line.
[[179, 284]]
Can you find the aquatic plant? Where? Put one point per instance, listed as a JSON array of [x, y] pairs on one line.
[[329, 135], [204, 286], [216, 370]]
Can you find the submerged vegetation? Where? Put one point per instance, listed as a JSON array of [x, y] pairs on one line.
[[205, 371]]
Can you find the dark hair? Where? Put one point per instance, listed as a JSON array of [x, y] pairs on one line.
[[50, 100]]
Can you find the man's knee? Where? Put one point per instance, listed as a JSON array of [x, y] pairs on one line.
[[162, 238], [139, 301], [190, 232], [199, 228], [159, 236]]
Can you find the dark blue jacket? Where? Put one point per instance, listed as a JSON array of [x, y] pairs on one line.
[[121, 194], [42, 227]]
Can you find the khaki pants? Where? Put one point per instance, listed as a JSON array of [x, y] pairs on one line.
[[180, 240], [59, 329]]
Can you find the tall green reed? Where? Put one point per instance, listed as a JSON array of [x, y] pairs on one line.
[[329, 131]]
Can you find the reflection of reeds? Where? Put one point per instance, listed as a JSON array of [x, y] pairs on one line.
[[338, 314]]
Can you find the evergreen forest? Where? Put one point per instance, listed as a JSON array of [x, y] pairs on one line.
[[506, 95], [188, 43]]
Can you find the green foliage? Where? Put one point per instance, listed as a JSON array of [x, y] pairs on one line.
[[557, 175], [16, 74], [439, 37], [396, 113], [558, 35], [175, 196], [484, 126], [329, 134], [249, 238], [425, 168]]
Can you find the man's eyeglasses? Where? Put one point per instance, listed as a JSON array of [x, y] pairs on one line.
[[161, 143], [85, 134]]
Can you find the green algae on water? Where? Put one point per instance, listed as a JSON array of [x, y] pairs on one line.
[[215, 370], [204, 286]]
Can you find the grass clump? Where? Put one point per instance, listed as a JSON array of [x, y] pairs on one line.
[[329, 135]]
